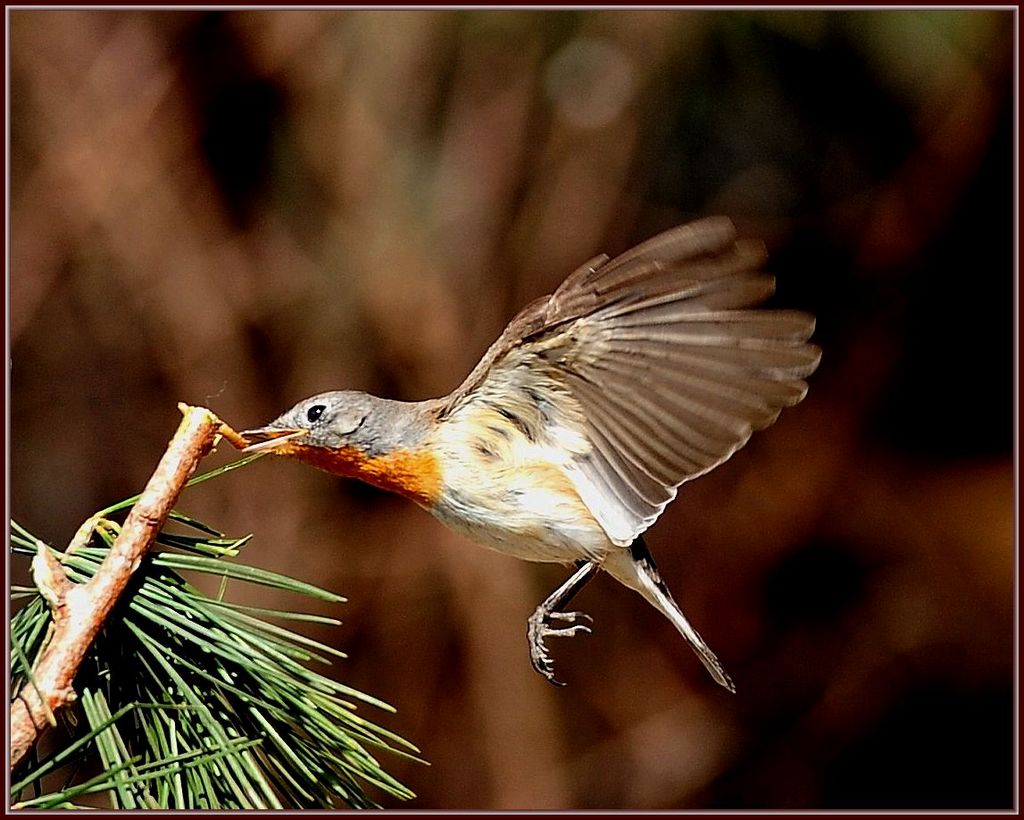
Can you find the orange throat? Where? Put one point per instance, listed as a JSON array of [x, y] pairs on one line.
[[414, 474]]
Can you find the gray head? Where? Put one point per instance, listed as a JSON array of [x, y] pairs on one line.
[[344, 418]]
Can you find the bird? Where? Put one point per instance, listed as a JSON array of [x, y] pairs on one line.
[[576, 429]]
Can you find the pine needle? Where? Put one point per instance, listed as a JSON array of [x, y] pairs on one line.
[[190, 702]]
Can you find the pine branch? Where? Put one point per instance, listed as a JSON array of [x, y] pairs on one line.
[[81, 610], [191, 701]]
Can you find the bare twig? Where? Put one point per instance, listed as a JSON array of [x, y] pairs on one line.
[[81, 610], [232, 437]]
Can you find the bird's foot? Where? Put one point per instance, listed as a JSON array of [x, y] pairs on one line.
[[539, 627]]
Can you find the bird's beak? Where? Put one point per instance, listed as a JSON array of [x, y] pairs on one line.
[[269, 438]]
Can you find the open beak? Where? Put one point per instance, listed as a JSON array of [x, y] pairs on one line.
[[269, 438]]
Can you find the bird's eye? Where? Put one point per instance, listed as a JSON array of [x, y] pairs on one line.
[[314, 412]]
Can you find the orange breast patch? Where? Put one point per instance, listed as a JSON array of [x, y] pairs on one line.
[[413, 474]]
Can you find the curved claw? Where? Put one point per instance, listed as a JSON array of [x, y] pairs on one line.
[[539, 657], [571, 617], [538, 629]]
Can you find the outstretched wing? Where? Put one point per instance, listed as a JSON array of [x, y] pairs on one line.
[[657, 360]]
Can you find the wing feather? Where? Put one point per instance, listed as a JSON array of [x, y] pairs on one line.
[[666, 365]]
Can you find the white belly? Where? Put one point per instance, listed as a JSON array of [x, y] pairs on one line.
[[512, 495], [532, 524]]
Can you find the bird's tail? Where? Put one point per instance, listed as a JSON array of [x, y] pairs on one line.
[[636, 569]]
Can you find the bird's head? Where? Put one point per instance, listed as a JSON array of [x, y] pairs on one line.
[[332, 421], [357, 435]]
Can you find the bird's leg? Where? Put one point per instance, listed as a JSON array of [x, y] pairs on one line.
[[538, 625]]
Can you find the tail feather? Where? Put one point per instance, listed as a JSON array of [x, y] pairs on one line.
[[636, 569]]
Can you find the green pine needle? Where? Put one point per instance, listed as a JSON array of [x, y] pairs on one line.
[[190, 702]]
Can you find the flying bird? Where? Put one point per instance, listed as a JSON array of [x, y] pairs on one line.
[[577, 427]]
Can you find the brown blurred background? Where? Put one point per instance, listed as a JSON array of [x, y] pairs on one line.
[[242, 209]]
